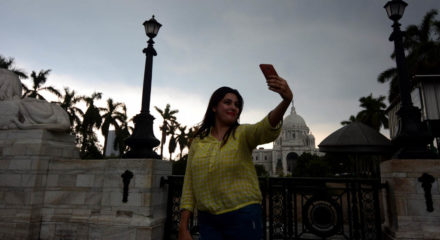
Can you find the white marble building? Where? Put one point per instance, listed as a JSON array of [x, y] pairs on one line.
[[294, 140]]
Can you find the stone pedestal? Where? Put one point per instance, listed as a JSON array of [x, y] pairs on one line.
[[407, 215], [47, 192], [25, 156]]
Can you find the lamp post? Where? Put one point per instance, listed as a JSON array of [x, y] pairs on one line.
[[142, 141], [412, 137]]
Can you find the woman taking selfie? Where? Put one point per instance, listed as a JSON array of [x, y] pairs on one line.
[[220, 180]]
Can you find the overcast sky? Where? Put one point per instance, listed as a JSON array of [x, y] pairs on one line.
[[330, 52]]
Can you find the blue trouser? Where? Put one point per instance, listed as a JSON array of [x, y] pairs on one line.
[[244, 224]]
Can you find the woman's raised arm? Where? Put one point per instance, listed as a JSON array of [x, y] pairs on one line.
[[280, 86]]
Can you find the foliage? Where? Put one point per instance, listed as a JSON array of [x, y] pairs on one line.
[[122, 133], [310, 165], [172, 144], [182, 139], [9, 64], [261, 171], [92, 120], [68, 103], [38, 80], [422, 50], [168, 117], [179, 167], [373, 113], [85, 124], [111, 117]]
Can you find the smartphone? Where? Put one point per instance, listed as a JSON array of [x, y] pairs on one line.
[[268, 70]]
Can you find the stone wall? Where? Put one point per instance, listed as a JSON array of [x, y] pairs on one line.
[[406, 210], [46, 192]]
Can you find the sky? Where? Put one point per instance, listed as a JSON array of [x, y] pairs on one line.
[[330, 52]]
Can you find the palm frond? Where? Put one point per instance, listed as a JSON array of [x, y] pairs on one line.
[[387, 75], [52, 90]]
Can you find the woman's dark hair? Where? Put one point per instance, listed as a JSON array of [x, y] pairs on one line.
[[209, 119]]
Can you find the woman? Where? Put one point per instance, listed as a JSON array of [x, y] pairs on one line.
[[220, 179]]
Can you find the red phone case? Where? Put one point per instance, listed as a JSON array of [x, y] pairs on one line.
[[268, 70]]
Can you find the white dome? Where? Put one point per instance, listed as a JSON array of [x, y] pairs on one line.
[[294, 121]]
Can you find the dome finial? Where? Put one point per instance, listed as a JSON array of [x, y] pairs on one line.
[[293, 107]]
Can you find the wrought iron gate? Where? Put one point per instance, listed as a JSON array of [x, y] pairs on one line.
[[304, 208]]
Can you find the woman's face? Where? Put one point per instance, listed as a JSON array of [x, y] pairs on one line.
[[226, 111]]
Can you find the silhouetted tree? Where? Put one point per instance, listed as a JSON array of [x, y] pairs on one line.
[[261, 171], [168, 116], [182, 139], [350, 120], [422, 48], [172, 144], [111, 117], [9, 65], [92, 119], [122, 132], [373, 113], [38, 80], [69, 103]]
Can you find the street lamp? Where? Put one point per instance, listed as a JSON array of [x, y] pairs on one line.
[[142, 141], [412, 137]]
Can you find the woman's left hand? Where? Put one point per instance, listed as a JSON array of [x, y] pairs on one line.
[[280, 86]]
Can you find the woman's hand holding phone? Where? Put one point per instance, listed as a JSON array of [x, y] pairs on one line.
[[276, 83]]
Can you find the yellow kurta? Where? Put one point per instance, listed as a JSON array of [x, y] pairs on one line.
[[222, 179]]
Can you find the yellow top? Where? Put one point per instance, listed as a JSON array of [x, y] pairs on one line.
[[223, 179]]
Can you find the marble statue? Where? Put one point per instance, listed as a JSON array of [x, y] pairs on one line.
[[27, 113]]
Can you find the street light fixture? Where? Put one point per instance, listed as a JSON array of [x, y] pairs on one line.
[[142, 141], [395, 9], [412, 137]]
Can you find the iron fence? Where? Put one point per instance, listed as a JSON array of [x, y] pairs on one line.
[[303, 208]]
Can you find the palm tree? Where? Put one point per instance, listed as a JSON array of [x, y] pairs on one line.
[[112, 117], [38, 81], [9, 65], [190, 134], [352, 119], [182, 139], [122, 132], [168, 117], [422, 47], [68, 103], [172, 144], [92, 119], [373, 114]]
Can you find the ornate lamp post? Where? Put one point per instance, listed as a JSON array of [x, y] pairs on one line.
[[412, 137], [142, 141]]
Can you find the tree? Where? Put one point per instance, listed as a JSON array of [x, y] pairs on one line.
[[168, 116], [92, 119], [179, 167], [122, 132], [310, 165], [422, 48], [182, 139], [68, 103], [38, 80], [9, 65], [352, 119], [373, 114], [172, 144], [111, 117], [261, 171]]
